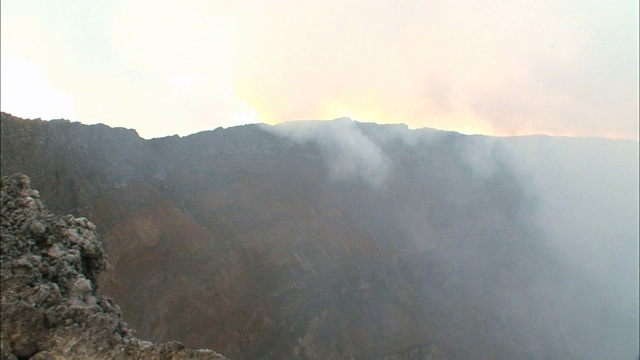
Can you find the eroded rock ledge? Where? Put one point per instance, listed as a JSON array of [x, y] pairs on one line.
[[50, 308]]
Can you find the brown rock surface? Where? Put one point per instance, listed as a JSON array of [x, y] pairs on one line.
[[264, 246]]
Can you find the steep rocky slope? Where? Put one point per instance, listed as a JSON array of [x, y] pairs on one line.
[[49, 305], [330, 240]]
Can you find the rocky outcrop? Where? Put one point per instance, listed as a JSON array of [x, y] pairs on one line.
[[50, 307]]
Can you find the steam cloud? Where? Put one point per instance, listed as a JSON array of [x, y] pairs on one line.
[[349, 154]]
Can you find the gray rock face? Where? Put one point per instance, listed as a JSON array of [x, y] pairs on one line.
[[50, 308], [344, 240]]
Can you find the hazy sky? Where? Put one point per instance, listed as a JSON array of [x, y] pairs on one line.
[[164, 67]]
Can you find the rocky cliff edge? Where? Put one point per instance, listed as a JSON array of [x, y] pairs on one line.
[[50, 308]]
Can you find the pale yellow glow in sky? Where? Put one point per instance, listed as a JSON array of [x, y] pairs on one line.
[[167, 67]]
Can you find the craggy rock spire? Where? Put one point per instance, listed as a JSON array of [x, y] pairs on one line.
[[50, 308]]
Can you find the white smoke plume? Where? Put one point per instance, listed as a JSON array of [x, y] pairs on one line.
[[348, 153]]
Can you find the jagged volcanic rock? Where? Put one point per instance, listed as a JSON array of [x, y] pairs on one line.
[[50, 308]]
